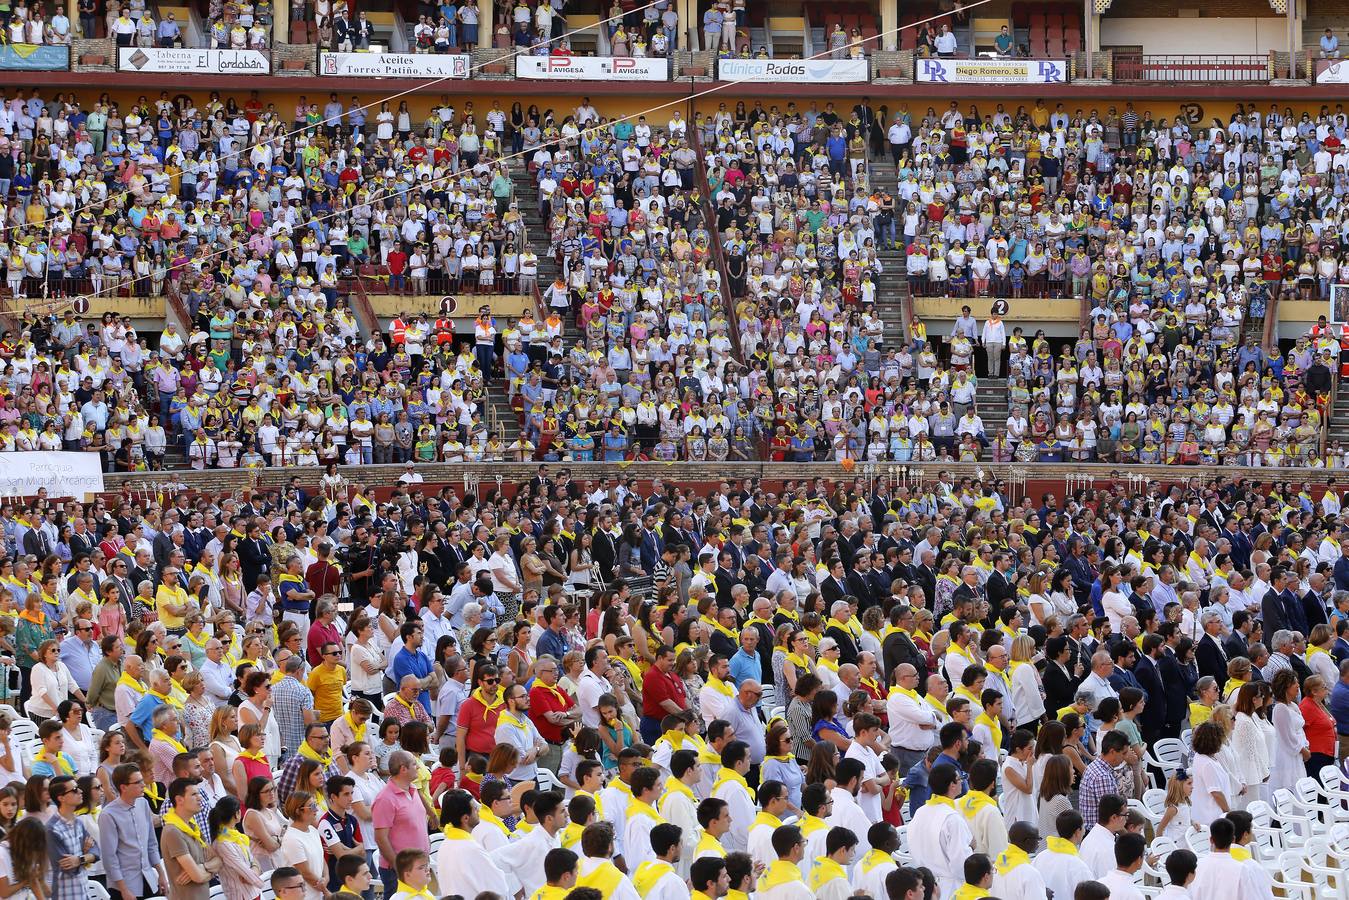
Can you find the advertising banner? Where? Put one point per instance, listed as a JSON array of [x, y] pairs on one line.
[[1335, 73], [991, 71], [62, 474], [173, 61], [395, 65], [564, 67], [796, 71], [34, 58]]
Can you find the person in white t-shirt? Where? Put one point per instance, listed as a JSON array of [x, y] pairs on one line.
[[866, 749]]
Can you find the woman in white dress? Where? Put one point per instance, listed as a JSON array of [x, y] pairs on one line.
[[1212, 795], [257, 710], [1028, 697], [1248, 744], [80, 744], [1291, 749], [1018, 782]]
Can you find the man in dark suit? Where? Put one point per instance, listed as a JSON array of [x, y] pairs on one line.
[[652, 545], [898, 647], [1280, 608], [254, 556], [1060, 685], [1001, 590], [1148, 676], [838, 630], [1125, 655], [835, 585], [725, 641], [1238, 642], [1315, 602], [1174, 683], [925, 576], [603, 548], [1209, 656], [859, 585], [81, 540]]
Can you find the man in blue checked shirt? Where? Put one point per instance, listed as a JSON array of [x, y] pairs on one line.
[[69, 845]]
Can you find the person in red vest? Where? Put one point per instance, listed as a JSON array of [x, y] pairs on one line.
[[398, 330]]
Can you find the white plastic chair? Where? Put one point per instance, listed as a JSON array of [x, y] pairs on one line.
[[1293, 879], [1323, 866], [547, 780], [1263, 830], [1294, 824], [1154, 861], [1332, 788], [1168, 755], [1308, 798]]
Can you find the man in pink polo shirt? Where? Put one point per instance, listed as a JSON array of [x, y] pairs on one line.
[[399, 818]]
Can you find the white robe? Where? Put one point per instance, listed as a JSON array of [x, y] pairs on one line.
[[1220, 877], [679, 810], [1062, 872], [760, 845], [791, 890], [1024, 883], [848, 814], [940, 839], [669, 887], [637, 840], [470, 869], [624, 891], [1098, 851], [742, 814], [489, 837], [1122, 886], [522, 861], [988, 831], [615, 805], [873, 883]]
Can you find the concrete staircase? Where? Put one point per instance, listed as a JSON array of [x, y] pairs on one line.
[[990, 401], [1337, 428], [892, 286]]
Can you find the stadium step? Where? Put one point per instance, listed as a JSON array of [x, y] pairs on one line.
[[990, 400], [1337, 429]]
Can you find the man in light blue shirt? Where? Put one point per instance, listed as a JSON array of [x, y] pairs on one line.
[[1330, 45], [745, 664], [81, 654]]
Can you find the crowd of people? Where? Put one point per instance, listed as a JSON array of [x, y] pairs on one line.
[[805, 689], [748, 331]]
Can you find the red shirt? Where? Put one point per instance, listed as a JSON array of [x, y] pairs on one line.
[[544, 699], [1319, 726], [658, 686], [481, 724], [320, 634]]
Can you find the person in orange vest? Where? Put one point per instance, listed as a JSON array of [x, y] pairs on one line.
[[398, 330], [444, 330]]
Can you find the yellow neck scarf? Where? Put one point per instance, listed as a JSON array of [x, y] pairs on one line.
[[235, 836], [939, 800], [800, 660], [132, 683], [875, 858], [188, 828], [639, 808], [994, 727], [727, 775], [648, 873], [485, 814], [824, 871], [1239, 853], [911, 694], [60, 764], [357, 731], [674, 786], [709, 845], [969, 892], [169, 699], [173, 742], [811, 824], [308, 752], [408, 891], [1011, 858], [1233, 684], [974, 801], [830, 664], [719, 686], [766, 818], [782, 871], [1060, 845]]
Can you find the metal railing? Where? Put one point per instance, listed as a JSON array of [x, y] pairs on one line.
[[1192, 67]]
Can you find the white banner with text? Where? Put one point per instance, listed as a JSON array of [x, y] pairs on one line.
[[63, 474], [991, 71], [395, 65], [795, 71], [563, 66], [174, 61]]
